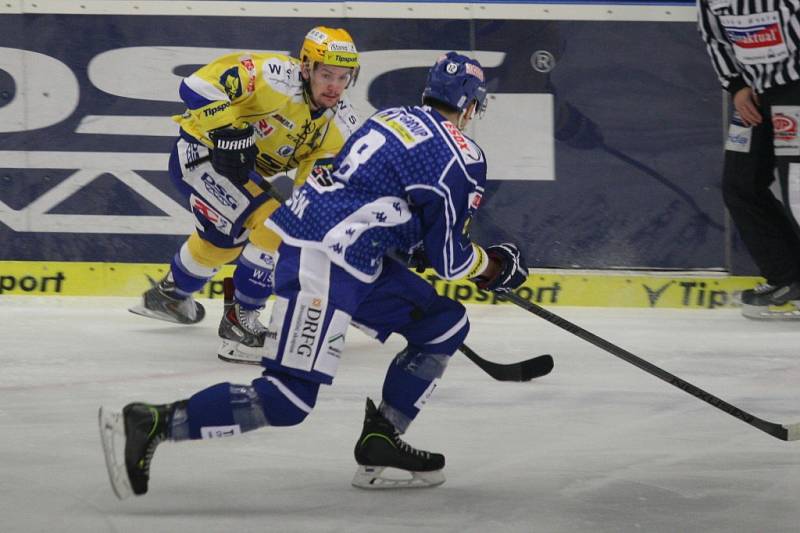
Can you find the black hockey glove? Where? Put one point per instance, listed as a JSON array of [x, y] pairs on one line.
[[234, 153], [418, 260], [513, 271]]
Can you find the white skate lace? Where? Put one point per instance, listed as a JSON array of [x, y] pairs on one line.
[[187, 307], [184, 306], [248, 319], [144, 463], [406, 447]]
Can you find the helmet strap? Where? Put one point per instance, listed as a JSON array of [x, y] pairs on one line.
[[306, 68], [466, 115], [461, 123]]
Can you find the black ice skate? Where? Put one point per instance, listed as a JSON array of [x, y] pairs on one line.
[[770, 302], [142, 427], [162, 302], [241, 332], [380, 447]]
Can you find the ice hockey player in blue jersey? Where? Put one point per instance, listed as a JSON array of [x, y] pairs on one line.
[[407, 182]]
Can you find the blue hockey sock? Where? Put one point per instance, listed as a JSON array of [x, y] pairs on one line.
[[411, 379], [253, 277], [222, 410], [189, 275]]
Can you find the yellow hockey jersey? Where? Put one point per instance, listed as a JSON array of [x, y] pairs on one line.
[[265, 90]]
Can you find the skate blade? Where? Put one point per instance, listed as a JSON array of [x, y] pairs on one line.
[[233, 352], [772, 312], [111, 425], [141, 310], [382, 477]]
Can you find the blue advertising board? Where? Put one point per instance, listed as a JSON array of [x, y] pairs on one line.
[[603, 133]]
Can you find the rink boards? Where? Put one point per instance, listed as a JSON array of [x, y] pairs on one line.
[[702, 290], [603, 134]]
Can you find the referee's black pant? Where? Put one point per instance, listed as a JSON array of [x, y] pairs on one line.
[[768, 227]]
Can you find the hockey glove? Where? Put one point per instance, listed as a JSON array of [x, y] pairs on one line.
[[418, 260], [512, 273], [234, 153]]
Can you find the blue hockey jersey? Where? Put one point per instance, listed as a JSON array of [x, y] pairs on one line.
[[407, 178]]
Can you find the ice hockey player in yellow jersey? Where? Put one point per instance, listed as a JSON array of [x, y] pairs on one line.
[[249, 117]]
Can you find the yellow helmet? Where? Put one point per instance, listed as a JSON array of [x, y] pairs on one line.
[[330, 46]]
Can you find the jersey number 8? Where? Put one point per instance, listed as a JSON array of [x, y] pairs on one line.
[[360, 153]]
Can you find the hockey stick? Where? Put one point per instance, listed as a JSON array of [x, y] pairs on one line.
[[787, 432], [527, 370]]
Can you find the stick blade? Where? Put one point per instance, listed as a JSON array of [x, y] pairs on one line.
[[536, 367], [792, 431]]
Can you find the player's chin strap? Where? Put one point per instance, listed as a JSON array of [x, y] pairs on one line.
[[308, 94], [468, 114], [462, 121]]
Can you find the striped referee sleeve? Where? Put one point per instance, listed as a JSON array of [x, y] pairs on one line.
[[747, 27]]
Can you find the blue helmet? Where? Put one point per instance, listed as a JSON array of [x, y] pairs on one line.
[[456, 80]]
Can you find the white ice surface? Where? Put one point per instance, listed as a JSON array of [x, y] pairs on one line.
[[597, 446]]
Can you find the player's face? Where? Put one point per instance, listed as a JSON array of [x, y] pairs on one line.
[[328, 84]]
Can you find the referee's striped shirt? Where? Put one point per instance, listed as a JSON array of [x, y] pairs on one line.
[[752, 43]]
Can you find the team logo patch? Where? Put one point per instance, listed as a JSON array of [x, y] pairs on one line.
[[250, 67], [191, 154], [785, 127], [756, 38], [231, 82], [785, 120], [202, 209], [263, 128]]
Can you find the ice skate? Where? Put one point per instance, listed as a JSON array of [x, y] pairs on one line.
[[772, 302], [162, 302], [387, 462], [129, 440], [242, 334]]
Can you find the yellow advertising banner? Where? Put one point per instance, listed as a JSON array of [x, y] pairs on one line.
[[704, 290]]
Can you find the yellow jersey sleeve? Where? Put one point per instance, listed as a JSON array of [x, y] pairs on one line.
[[217, 94]]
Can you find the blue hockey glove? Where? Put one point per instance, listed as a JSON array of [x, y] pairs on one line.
[[234, 153], [512, 273]]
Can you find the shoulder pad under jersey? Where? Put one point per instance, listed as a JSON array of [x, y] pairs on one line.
[[470, 152], [346, 118]]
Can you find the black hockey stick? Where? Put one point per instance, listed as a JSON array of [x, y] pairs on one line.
[[535, 367], [787, 432]]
